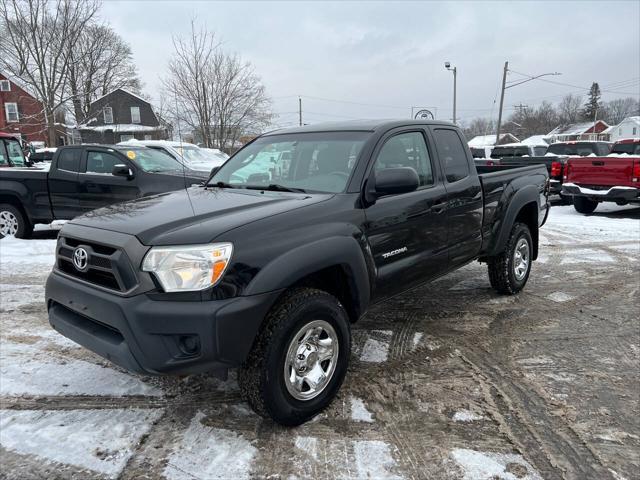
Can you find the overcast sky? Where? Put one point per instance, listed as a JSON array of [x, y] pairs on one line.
[[386, 57]]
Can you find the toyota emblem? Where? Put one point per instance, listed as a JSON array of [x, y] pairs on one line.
[[80, 259]]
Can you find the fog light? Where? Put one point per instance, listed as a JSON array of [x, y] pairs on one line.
[[189, 344]]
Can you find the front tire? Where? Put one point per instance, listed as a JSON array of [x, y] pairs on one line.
[[13, 222], [299, 358], [509, 271], [584, 205]]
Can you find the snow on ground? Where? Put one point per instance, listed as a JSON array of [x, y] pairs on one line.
[[559, 297], [374, 460], [359, 412], [606, 223], [30, 369], [212, 453], [98, 440], [26, 256], [466, 416], [493, 466], [376, 350]]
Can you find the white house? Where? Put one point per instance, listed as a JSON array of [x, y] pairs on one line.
[[628, 128]]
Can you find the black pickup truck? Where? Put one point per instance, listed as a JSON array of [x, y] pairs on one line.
[[268, 271], [82, 178]]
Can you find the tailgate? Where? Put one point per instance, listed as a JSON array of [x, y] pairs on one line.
[[601, 171]]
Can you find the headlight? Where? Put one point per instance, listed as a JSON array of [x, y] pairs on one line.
[[189, 267]]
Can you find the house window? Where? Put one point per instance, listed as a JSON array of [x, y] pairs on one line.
[[135, 114], [11, 111], [126, 137], [635, 131], [5, 86], [108, 114], [150, 137]]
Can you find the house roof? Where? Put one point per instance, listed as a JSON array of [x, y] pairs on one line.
[[635, 119], [539, 140], [490, 140], [123, 90], [575, 128], [18, 82]]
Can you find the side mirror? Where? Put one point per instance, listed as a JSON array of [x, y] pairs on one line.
[[392, 181], [214, 170], [122, 170]]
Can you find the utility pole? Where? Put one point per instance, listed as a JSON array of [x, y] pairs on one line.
[[504, 83], [521, 107], [300, 110]]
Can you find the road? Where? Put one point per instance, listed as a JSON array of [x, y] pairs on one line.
[[447, 381]]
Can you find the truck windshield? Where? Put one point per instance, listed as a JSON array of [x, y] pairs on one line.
[[628, 148], [573, 149], [152, 161], [314, 162]]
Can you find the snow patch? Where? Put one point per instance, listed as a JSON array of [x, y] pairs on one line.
[[559, 297], [416, 339], [586, 255], [493, 466], [375, 350], [98, 440], [29, 370], [309, 445], [359, 412], [206, 452], [374, 460], [466, 416]]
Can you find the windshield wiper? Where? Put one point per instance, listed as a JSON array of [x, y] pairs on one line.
[[275, 187], [221, 185]]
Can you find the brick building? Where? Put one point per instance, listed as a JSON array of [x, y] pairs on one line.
[[20, 112]]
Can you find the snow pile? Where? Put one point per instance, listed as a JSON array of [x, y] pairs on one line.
[[26, 252], [493, 466], [608, 222], [98, 440], [206, 452], [359, 412]]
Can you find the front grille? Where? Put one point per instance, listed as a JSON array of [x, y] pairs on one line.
[[108, 267]]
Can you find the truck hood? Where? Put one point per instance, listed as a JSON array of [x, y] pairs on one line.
[[195, 215]]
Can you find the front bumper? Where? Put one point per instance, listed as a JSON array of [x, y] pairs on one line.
[[613, 194], [156, 337]]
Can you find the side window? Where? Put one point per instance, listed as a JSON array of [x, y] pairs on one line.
[[3, 157], [452, 154], [69, 159], [406, 150], [102, 162]]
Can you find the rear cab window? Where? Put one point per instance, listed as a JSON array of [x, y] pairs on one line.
[[407, 149], [69, 160], [453, 155]]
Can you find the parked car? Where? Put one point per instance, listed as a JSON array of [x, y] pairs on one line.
[[518, 150], [190, 155], [268, 274], [82, 178], [611, 178], [11, 154]]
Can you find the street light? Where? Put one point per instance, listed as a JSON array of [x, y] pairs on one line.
[[447, 65]]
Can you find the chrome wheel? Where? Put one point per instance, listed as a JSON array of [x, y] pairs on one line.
[[8, 223], [311, 360], [521, 259]]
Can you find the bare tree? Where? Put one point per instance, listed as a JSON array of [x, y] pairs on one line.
[[36, 41], [534, 121], [479, 126], [100, 62], [570, 109], [214, 93], [617, 110]]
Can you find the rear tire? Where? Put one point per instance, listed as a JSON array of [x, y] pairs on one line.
[[509, 271], [584, 205], [269, 383], [13, 222]]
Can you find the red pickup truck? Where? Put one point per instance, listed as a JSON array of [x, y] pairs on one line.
[[614, 178]]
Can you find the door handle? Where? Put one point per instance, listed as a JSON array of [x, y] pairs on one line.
[[597, 164]]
